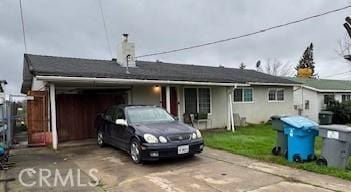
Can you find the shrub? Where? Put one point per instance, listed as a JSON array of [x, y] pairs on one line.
[[341, 110]]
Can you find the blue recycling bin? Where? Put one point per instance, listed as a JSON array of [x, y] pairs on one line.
[[301, 133]]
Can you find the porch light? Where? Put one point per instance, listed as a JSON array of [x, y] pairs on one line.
[[156, 88]]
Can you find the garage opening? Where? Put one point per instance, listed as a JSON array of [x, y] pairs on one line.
[[77, 112]]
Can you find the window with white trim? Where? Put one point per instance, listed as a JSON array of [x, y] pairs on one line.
[[197, 100], [329, 98], [243, 95], [276, 95], [346, 98]]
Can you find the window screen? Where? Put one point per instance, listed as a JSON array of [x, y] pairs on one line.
[[280, 95], [271, 95], [248, 95], [204, 100], [238, 95], [190, 96]]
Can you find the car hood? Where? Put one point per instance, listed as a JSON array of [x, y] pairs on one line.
[[164, 128]]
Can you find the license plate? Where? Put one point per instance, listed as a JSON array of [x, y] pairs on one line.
[[183, 149]]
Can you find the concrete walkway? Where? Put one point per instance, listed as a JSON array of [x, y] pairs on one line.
[[213, 170]]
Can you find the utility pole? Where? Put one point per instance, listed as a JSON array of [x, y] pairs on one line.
[[347, 26]]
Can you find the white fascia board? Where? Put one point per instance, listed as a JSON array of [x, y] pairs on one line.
[[274, 84], [62, 79], [326, 90]]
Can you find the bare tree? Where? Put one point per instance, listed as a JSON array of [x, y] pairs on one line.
[[344, 46], [242, 66], [278, 68]]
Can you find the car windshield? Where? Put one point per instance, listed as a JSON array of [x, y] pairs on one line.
[[148, 114]]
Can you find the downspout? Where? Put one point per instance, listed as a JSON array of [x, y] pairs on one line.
[[231, 109]]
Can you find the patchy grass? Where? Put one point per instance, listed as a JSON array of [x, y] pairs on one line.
[[257, 141]]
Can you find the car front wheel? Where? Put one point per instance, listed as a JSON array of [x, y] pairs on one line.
[[100, 139], [135, 151]]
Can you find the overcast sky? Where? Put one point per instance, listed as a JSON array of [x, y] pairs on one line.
[[74, 28]]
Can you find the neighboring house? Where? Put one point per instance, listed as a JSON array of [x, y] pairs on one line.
[[312, 96], [69, 92]]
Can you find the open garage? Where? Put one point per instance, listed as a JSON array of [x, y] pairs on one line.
[[77, 112]]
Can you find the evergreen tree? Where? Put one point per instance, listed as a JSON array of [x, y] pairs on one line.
[[307, 60]]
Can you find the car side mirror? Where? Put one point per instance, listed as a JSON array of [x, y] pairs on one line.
[[121, 122]]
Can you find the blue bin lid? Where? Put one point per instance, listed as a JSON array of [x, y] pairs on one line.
[[299, 122]]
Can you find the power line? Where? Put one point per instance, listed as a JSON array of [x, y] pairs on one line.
[[105, 28], [342, 73], [245, 35], [22, 23]]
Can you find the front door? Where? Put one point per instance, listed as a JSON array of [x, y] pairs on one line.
[[174, 100]]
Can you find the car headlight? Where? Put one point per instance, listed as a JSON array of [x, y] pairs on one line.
[[162, 139], [150, 138], [198, 134], [193, 136]]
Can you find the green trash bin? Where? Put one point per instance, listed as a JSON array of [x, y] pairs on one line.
[[325, 117]]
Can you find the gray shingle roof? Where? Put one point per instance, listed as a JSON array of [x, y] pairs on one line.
[[77, 67]]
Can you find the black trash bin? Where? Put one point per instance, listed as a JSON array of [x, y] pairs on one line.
[[325, 117]]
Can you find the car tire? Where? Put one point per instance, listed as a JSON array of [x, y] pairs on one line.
[[135, 151], [100, 139]]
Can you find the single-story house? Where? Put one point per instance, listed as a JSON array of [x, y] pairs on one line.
[[313, 95], [70, 92]]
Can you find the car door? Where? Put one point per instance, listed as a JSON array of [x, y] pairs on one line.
[[109, 125], [119, 129], [124, 133], [106, 119]]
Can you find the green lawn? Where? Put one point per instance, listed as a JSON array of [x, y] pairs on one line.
[[257, 141]]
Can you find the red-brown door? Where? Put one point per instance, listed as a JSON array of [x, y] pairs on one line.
[[174, 100], [37, 118]]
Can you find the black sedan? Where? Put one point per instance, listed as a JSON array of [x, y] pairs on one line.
[[147, 133]]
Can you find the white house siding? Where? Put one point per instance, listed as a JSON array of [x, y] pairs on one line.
[[316, 100], [260, 110], [38, 85], [149, 95], [145, 95], [301, 95], [218, 105]]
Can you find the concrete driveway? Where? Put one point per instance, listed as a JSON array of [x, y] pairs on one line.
[[213, 170]]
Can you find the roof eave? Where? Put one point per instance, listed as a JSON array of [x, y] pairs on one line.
[[327, 90], [275, 84], [61, 79]]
